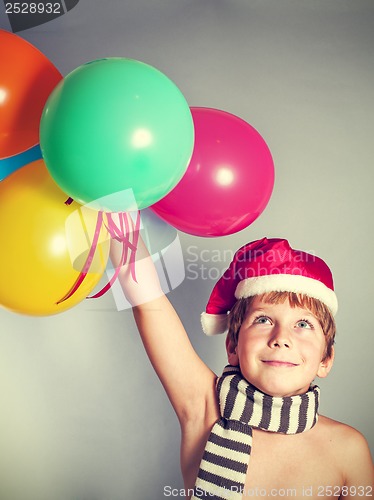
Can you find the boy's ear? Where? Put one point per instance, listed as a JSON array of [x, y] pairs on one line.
[[326, 365], [232, 356]]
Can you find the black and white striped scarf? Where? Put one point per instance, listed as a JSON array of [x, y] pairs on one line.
[[224, 465]]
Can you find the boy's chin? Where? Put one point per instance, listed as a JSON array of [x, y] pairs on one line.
[[277, 389]]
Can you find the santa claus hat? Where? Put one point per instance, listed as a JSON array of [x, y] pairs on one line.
[[267, 265]]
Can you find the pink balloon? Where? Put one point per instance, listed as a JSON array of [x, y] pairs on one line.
[[228, 182]]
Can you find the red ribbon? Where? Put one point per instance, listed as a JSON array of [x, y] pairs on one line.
[[89, 260], [122, 234]]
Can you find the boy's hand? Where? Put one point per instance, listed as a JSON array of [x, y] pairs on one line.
[[139, 265]]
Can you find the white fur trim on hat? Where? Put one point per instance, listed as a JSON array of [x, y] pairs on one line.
[[288, 283], [213, 324]]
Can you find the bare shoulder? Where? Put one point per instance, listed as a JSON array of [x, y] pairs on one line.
[[351, 449], [349, 435]]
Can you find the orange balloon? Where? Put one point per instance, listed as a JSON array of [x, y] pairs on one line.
[[27, 77], [45, 243]]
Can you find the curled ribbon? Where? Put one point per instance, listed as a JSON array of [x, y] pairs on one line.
[[121, 234]]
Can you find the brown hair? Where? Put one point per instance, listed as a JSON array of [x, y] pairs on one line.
[[316, 307]]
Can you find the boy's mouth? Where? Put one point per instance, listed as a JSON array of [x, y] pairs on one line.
[[278, 363]]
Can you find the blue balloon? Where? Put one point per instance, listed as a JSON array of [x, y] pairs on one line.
[[9, 165]]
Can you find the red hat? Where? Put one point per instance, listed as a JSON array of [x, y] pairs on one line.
[[267, 265]]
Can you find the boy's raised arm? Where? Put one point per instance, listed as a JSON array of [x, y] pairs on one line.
[[188, 382]]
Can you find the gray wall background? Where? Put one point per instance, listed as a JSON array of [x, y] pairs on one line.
[[83, 416]]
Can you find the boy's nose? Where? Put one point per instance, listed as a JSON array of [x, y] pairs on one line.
[[281, 343], [280, 338]]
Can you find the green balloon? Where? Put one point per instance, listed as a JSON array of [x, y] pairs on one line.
[[117, 130]]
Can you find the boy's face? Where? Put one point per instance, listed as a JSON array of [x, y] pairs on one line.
[[280, 349]]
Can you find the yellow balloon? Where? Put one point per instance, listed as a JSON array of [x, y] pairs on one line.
[[44, 244]]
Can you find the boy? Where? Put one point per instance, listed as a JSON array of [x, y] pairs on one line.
[[255, 431]]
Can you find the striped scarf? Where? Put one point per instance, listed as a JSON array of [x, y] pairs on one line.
[[224, 465]]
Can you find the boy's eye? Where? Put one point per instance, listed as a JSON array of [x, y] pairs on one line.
[[304, 323], [262, 320]]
